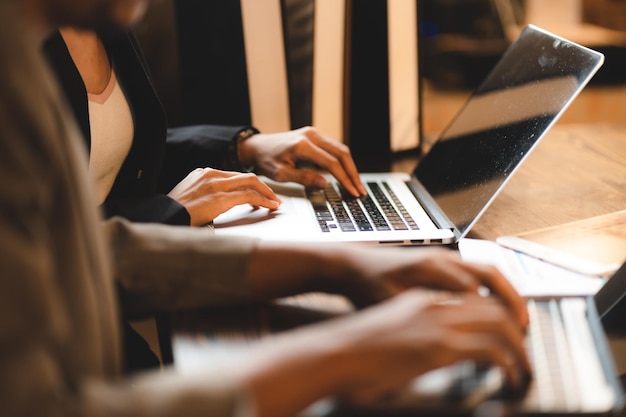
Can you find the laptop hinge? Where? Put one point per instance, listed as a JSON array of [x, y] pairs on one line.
[[433, 210]]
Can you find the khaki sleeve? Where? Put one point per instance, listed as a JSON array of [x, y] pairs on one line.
[[210, 393], [166, 267]]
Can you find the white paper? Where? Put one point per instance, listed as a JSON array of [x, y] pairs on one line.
[[531, 277]]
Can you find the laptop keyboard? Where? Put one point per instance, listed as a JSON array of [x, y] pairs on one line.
[[381, 210], [558, 341], [568, 371], [548, 349], [567, 374]]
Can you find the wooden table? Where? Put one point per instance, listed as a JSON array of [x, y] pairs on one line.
[[575, 172]]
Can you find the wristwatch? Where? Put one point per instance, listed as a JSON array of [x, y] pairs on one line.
[[233, 150]]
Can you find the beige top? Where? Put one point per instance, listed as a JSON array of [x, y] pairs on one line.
[[112, 130]]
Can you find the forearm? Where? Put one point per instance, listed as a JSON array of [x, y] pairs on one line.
[[286, 374], [279, 269], [211, 392]]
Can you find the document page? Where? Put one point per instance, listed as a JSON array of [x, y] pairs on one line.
[[592, 246], [530, 276]]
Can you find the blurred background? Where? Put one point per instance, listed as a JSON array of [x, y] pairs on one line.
[[462, 39]]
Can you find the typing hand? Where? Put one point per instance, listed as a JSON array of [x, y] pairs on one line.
[[276, 156], [207, 193], [404, 337], [384, 272]]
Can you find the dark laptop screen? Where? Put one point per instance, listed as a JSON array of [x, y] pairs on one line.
[[521, 98]]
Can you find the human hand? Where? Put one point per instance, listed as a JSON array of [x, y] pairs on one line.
[[384, 272], [364, 356], [276, 155], [392, 343], [207, 193]]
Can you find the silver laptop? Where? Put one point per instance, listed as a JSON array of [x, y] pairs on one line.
[[454, 183], [573, 369], [573, 374]]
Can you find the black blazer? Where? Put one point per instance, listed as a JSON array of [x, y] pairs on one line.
[[159, 157]]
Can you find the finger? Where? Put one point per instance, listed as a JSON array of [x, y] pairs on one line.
[[305, 177], [489, 336], [206, 211], [310, 151], [486, 349], [499, 285], [464, 276], [247, 182], [209, 174], [217, 173], [226, 201], [439, 269], [341, 153], [489, 315]]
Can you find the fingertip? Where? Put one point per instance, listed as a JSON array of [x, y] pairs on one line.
[[354, 192], [320, 182], [271, 205], [273, 197], [524, 319]]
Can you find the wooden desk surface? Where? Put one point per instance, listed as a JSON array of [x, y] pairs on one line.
[[575, 172]]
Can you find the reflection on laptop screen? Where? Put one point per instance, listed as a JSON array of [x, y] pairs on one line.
[[515, 101]]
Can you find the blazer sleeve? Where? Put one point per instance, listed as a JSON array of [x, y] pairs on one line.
[[154, 208], [198, 146]]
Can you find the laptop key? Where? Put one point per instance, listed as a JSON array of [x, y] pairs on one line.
[[404, 214]]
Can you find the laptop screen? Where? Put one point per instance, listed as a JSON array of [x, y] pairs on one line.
[[524, 94]]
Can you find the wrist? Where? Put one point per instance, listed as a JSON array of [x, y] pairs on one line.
[[338, 271], [278, 271], [245, 154], [237, 159], [290, 373]]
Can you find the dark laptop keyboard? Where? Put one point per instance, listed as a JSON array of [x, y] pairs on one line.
[[338, 210]]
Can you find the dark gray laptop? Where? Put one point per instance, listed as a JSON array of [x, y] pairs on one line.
[[454, 183]]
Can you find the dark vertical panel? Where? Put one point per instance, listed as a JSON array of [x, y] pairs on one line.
[[158, 38], [369, 125], [214, 86], [298, 23]]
